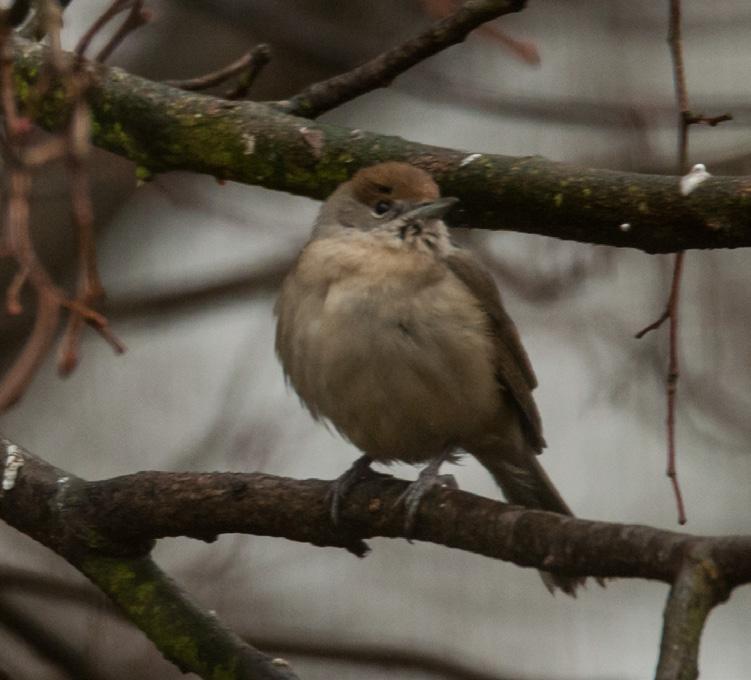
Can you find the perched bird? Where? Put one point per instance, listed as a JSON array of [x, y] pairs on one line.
[[398, 337]]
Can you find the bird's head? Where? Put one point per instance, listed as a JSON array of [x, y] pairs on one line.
[[386, 197]]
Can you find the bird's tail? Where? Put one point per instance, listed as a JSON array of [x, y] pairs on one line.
[[524, 482]]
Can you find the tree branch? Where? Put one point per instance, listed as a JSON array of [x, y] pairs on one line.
[[191, 638], [379, 72], [121, 516], [695, 592], [163, 129], [43, 503], [106, 529]]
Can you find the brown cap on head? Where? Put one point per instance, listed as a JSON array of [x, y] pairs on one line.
[[393, 181]]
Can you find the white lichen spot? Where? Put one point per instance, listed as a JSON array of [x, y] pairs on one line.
[[625, 226], [13, 462], [249, 144], [693, 179], [314, 138], [62, 487], [469, 159]]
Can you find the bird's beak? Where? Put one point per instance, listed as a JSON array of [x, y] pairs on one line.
[[431, 210]]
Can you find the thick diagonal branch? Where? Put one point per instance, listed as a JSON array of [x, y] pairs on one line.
[[163, 129], [43, 502]]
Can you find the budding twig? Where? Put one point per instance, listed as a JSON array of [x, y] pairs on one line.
[[380, 71], [249, 65]]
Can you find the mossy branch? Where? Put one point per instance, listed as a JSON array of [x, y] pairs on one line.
[[46, 504], [191, 638], [161, 129]]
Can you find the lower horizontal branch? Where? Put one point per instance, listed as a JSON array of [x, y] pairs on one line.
[[120, 516]]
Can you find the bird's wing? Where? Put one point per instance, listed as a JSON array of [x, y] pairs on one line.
[[514, 370]]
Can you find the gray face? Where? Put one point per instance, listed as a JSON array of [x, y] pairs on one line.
[[400, 217]]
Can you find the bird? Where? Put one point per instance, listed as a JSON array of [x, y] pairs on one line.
[[397, 337]]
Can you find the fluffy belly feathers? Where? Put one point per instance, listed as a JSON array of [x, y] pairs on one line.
[[393, 362]]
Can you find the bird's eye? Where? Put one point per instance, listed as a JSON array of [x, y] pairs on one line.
[[381, 208]]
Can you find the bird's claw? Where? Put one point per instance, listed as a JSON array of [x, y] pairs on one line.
[[342, 485], [414, 493]]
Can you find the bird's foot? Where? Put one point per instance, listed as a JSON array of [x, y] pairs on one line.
[[413, 495], [341, 486]]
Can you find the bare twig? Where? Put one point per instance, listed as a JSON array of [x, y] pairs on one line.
[[13, 295], [523, 50], [17, 378], [380, 71], [137, 17], [249, 64], [685, 120], [17, 241], [671, 313], [261, 56], [712, 121], [90, 289], [101, 21]]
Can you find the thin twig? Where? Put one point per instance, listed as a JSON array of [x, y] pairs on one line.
[[712, 121], [380, 71], [671, 314], [89, 289], [249, 63], [13, 295], [137, 17], [17, 240], [261, 56], [675, 42], [525, 51], [672, 384], [104, 18], [685, 120]]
